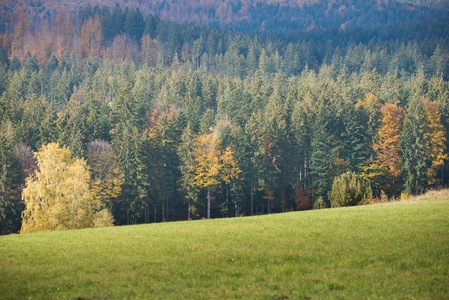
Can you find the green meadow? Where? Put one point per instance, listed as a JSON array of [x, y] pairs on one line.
[[395, 250]]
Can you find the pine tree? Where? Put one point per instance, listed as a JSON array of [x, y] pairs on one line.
[[97, 117], [254, 134], [324, 146], [321, 157], [302, 122], [356, 141], [185, 153], [127, 143], [413, 148], [106, 178], [349, 189], [10, 204], [277, 122], [161, 157], [123, 111]]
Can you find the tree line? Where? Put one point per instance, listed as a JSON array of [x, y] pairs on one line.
[[252, 15], [278, 142], [261, 126], [128, 35]]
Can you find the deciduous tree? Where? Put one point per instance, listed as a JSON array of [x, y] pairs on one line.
[[57, 197], [435, 135], [385, 170], [212, 163]]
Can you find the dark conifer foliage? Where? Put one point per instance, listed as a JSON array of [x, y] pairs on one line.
[[292, 107]]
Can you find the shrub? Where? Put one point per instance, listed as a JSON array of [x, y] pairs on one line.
[[319, 203], [302, 200], [349, 189], [405, 196], [103, 218]]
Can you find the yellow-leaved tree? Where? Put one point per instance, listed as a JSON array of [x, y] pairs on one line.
[[386, 168], [212, 163], [435, 141], [57, 196]]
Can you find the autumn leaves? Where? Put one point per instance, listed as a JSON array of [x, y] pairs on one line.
[[412, 142], [58, 197]]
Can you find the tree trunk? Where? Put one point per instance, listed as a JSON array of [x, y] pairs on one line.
[[283, 199], [155, 213], [442, 175], [163, 211], [208, 202], [188, 212], [167, 208], [252, 197], [146, 211], [227, 200]]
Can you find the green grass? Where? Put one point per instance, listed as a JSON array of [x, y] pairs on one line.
[[392, 251]]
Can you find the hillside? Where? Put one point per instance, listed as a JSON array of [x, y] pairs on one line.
[[260, 109], [393, 250], [257, 15]]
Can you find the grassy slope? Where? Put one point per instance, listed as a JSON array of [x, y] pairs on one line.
[[394, 250]]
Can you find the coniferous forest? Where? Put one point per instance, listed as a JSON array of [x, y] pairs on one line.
[[137, 112]]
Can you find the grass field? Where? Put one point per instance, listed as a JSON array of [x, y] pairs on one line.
[[393, 251]]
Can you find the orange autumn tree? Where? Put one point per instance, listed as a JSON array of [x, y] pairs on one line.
[[386, 167], [91, 38], [149, 50], [212, 163], [435, 136]]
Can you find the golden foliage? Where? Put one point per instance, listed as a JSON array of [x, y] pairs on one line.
[[103, 218], [211, 162], [435, 135], [387, 160], [57, 196]]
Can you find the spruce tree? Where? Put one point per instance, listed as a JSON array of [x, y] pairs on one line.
[[414, 149], [186, 150], [11, 205]]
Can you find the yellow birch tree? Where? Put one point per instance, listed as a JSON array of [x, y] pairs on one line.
[[212, 163], [57, 196]]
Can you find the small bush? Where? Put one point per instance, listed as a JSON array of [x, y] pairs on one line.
[[103, 218], [302, 200], [383, 197], [405, 196], [349, 189], [319, 203]]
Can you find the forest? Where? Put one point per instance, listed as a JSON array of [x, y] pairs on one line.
[[134, 117]]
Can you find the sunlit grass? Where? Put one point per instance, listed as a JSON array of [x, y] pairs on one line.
[[392, 250]]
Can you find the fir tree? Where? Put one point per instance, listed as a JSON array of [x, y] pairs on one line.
[[413, 148]]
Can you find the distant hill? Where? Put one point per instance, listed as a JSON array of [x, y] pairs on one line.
[[255, 15], [438, 4]]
